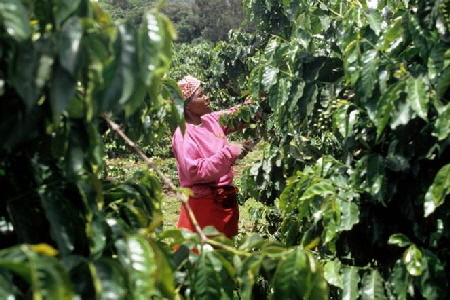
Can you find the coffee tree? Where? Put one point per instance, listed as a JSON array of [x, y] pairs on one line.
[[357, 164]]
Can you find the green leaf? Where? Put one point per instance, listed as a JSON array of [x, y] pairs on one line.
[[417, 97], [155, 37], [400, 281], [438, 191], [433, 282], [64, 8], [442, 84], [351, 279], [340, 120], [393, 36], [7, 288], [173, 92], [372, 286], [437, 61], [70, 45], [249, 274], [46, 276], [419, 35], [138, 257], [399, 239], [62, 90], [111, 276], [205, 278], [374, 19], [269, 77], [63, 223], [322, 189], [369, 73], [120, 75], [165, 275], [350, 214], [442, 124], [14, 19], [83, 278], [376, 179], [385, 105], [255, 81], [32, 70], [299, 276], [413, 260], [332, 269]]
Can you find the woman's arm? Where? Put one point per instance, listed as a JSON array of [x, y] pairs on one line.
[[200, 169]]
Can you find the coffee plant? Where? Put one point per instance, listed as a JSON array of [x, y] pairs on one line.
[[356, 166]]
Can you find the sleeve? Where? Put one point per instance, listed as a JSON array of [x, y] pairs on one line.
[[200, 169]]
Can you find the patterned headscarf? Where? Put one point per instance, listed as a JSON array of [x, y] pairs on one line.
[[188, 86]]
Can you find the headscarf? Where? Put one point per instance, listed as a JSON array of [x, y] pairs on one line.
[[188, 86]]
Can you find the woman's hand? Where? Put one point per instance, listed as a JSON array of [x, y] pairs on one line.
[[247, 147]]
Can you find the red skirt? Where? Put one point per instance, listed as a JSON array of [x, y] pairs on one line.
[[210, 213]]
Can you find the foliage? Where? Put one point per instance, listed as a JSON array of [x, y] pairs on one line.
[[358, 139], [65, 232], [196, 20], [217, 17], [193, 59], [130, 10]]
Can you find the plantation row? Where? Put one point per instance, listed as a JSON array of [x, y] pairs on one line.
[[355, 177]]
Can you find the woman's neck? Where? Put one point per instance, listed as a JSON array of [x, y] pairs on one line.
[[193, 119]]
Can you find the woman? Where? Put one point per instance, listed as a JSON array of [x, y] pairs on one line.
[[205, 162]]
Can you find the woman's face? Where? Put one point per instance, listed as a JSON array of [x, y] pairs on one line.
[[199, 103]]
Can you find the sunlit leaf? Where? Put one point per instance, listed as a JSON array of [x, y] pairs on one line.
[[372, 286], [399, 239], [374, 18], [368, 73], [155, 50], [298, 276], [269, 77], [417, 97], [110, 274], [413, 260], [393, 36], [351, 279], [138, 257], [332, 274], [438, 190], [15, 19], [442, 124], [350, 214]]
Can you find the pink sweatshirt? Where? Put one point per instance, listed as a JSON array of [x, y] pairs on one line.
[[204, 156]]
